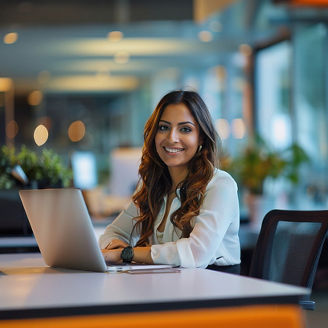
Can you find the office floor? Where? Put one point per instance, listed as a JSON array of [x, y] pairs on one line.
[[319, 317]]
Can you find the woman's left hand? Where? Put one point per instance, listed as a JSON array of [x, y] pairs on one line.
[[112, 255]]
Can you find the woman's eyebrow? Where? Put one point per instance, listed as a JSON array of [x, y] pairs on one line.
[[180, 123]]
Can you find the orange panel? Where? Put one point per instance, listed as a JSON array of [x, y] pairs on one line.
[[309, 2], [268, 316]]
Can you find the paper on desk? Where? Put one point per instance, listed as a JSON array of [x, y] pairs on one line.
[[138, 267]]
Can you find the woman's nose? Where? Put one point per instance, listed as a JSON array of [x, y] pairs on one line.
[[174, 136]]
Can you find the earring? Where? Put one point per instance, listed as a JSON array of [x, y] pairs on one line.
[[200, 148]]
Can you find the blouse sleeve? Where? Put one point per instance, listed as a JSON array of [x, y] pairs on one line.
[[121, 227], [219, 212]]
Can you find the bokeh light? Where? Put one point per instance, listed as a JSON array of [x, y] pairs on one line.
[[35, 98], [115, 36], [223, 128], [238, 128], [12, 129], [10, 38], [76, 131], [40, 135], [205, 36]]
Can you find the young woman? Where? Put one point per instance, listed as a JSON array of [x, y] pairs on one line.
[[185, 211]]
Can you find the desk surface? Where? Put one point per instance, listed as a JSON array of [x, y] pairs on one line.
[[31, 289]]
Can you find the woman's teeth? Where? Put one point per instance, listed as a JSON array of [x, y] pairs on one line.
[[173, 150]]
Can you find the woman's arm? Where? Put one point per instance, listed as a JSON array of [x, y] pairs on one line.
[[120, 228], [112, 252]]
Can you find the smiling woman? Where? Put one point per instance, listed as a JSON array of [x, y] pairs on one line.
[[185, 210]]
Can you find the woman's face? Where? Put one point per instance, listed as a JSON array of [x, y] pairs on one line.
[[177, 138]]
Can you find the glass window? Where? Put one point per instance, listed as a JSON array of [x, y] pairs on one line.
[[272, 96]]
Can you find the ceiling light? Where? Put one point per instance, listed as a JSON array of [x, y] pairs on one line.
[[115, 36], [10, 38], [205, 36]]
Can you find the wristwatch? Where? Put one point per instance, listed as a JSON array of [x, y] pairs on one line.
[[127, 254]]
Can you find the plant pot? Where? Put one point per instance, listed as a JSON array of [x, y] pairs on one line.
[[13, 220]]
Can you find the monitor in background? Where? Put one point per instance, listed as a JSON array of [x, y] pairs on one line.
[[124, 165], [84, 170]]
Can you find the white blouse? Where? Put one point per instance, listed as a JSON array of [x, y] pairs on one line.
[[213, 240]]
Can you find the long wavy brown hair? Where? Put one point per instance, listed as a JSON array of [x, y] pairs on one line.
[[155, 180]]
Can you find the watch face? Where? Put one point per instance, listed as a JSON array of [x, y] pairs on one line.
[[127, 254]]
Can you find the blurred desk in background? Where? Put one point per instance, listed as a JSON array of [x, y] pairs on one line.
[[101, 205], [26, 244], [23, 244]]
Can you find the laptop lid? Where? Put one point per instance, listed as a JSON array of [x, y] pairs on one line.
[[62, 228]]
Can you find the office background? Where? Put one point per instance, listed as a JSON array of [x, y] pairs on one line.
[[82, 77]]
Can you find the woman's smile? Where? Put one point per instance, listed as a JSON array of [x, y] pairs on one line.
[[173, 150]]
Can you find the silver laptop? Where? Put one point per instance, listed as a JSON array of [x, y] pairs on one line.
[[63, 230]]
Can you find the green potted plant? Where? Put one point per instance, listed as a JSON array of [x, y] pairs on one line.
[[26, 169], [46, 170], [257, 162], [41, 170]]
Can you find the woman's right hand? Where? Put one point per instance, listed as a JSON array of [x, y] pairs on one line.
[[116, 243]]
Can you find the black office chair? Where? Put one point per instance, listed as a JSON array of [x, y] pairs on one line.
[[289, 247]]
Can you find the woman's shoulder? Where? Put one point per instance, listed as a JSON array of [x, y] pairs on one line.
[[221, 178]]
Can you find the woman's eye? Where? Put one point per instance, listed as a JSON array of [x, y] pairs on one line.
[[162, 127], [186, 129]]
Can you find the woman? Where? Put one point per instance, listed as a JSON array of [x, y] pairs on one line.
[[185, 211]]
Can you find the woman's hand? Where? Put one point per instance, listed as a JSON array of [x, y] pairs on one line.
[[112, 252], [112, 256], [116, 243]]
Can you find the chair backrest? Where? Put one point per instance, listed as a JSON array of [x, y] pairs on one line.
[[289, 246]]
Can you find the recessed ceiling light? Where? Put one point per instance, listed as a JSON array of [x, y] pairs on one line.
[[205, 36], [10, 38], [115, 36]]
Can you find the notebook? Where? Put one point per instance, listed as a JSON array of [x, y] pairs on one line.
[[64, 233]]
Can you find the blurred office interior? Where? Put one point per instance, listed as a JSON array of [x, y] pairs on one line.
[[82, 77]]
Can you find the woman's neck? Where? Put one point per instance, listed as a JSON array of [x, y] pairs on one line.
[[178, 174]]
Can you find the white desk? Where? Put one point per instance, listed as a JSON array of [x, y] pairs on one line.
[[30, 289]]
